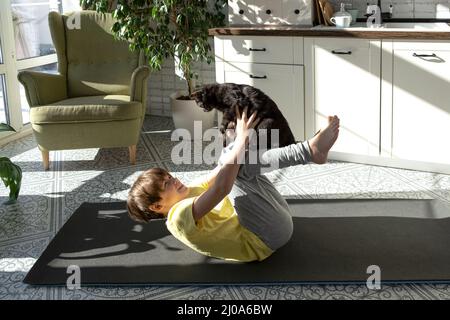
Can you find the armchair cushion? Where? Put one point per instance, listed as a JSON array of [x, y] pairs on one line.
[[43, 88], [88, 109]]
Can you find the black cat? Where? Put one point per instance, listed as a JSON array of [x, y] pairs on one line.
[[224, 98]]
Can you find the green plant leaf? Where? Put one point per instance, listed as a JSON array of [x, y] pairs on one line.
[[165, 28], [11, 175]]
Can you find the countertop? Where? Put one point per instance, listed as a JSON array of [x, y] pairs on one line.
[[359, 30]]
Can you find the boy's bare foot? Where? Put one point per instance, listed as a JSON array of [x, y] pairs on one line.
[[323, 140]]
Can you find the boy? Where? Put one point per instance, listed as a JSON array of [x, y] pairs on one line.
[[236, 214]]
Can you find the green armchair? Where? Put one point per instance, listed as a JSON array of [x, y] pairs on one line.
[[98, 99]]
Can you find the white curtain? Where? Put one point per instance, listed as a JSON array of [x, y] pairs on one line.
[[26, 32]]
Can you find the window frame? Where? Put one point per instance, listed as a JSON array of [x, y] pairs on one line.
[[10, 67]]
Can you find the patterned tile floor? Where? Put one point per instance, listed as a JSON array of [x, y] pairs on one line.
[[48, 198]]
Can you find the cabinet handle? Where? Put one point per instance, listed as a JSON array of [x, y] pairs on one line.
[[257, 77], [424, 55], [252, 49], [341, 52], [241, 11], [268, 11], [297, 11]]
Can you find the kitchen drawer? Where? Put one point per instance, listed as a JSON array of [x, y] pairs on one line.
[[282, 83], [420, 45], [275, 50], [343, 45]]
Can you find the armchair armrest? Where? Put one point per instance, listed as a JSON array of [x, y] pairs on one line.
[[43, 88], [138, 84]]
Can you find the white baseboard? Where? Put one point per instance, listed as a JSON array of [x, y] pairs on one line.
[[391, 162]]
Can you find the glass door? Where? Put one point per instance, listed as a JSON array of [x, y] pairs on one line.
[[26, 44], [32, 40], [2, 87], [7, 69], [3, 118]]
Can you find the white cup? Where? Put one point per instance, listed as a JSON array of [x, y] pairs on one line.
[[342, 21]]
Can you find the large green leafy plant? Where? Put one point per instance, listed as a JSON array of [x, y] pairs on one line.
[[165, 28], [10, 173]]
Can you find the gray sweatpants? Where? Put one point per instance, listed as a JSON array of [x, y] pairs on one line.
[[258, 204]]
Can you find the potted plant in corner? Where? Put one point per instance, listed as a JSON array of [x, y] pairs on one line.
[[10, 173], [169, 28]]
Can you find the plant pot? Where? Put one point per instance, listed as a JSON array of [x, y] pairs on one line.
[[185, 112]]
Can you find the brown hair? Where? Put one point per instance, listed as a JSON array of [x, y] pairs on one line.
[[145, 191]]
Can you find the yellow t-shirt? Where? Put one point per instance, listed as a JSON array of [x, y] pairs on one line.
[[218, 233]]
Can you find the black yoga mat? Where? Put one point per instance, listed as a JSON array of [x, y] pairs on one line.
[[334, 241]]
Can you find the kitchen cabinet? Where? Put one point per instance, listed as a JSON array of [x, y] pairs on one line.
[[271, 64], [268, 50], [392, 96], [416, 101], [342, 77], [268, 12]]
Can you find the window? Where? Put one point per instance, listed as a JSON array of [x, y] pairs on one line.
[[2, 99], [25, 44], [2, 86], [31, 33], [1, 55]]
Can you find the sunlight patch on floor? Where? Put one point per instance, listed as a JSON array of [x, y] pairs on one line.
[[16, 264]]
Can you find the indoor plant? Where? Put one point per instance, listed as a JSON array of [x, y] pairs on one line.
[[10, 173], [167, 28]]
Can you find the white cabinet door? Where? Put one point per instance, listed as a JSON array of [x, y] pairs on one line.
[[421, 102], [282, 83], [344, 79]]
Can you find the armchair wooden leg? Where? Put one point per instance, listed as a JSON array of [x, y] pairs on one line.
[[132, 150], [45, 159]]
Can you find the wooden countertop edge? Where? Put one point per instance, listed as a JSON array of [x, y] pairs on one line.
[[306, 32]]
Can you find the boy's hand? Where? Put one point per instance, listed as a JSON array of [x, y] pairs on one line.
[[245, 125]]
